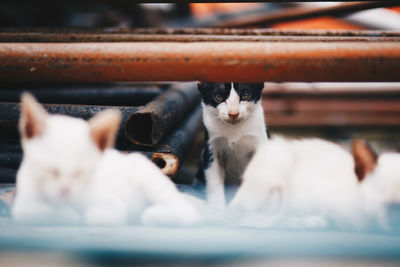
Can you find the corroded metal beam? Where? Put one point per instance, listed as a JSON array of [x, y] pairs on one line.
[[10, 112], [96, 34], [171, 152], [94, 94], [208, 61], [219, 36], [150, 123], [300, 12], [332, 104]]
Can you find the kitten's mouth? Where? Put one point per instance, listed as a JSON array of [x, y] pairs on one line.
[[233, 121]]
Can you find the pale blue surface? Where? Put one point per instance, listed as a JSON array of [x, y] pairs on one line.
[[205, 243], [200, 242]]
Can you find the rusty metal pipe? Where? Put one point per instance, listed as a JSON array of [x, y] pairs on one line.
[[300, 12], [76, 38], [337, 104], [357, 90], [118, 34], [84, 95], [208, 61], [171, 152], [9, 115], [332, 119], [150, 123]]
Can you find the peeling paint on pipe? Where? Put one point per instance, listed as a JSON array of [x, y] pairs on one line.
[[207, 61]]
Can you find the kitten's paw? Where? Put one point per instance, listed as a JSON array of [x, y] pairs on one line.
[[161, 215], [67, 216], [315, 222], [307, 222], [103, 217], [31, 214]]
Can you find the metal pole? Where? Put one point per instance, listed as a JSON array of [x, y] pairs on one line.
[[118, 34], [171, 152], [349, 36], [150, 123], [208, 61], [332, 104], [84, 95], [301, 12], [9, 115]]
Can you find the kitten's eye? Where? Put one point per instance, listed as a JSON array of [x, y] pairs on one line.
[[218, 98], [245, 96]]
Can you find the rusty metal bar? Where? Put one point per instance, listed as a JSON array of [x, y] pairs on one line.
[[9, 115], [171, 152], [144, 125], [102, 95], [79, 38], [377, 90], [339, 105], [118, 34], [149, 124], [335, 119], [295, 13], [209, 61]]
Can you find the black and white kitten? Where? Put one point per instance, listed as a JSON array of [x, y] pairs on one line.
[[235, 127]]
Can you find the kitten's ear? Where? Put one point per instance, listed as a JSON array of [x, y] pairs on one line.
[[258, 86], [32, 122], [365, 158], [103, 128], [201, 86]]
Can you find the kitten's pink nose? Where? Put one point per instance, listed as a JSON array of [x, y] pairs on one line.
[[64, 192], [233, 115]]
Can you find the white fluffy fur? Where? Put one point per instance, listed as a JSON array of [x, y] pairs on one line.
[[217, 121], [310, 183], [65, 178]]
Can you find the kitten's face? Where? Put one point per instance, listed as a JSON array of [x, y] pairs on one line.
[[62, 160], [231, 102], [61, 153]]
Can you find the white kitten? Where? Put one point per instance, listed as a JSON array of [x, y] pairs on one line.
[[235, 127], [313, 183], [69, 174]]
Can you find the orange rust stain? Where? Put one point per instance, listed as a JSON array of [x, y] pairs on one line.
[[321, 23], [202, 10], [171, 162]]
